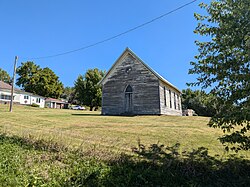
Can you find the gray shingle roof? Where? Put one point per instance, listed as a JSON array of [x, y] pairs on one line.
[[5, 86]]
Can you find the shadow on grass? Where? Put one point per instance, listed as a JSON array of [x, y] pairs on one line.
[[158, 165], [155, 165], [99, 115], [78, 114]]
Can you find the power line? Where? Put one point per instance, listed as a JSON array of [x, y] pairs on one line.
[[115, 36]]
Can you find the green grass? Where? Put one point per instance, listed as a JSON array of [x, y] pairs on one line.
[[117, 133], [39, 163], [25, 162], [50, 147]]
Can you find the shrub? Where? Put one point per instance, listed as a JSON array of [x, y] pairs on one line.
[[30, 162], [34, 105]]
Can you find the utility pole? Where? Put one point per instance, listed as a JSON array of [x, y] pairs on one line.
[[13, 84]]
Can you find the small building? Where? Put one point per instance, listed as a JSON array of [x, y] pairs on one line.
[[55, 103], [19, 96], [131, 87]]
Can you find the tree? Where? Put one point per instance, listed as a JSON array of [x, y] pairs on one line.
[[27, 76], [80, 87], [88, 92], [69, 94], [202, 103], [47, 84], [41, 81], [4, 76], [223, 63]]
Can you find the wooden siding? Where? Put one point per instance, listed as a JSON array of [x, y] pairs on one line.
[[145, 85], [166, 109]]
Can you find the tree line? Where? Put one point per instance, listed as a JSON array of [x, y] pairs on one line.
[[86, 91], [44, 82], [204, 104]]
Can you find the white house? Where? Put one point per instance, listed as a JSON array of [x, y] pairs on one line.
[[27, 98], [19, 96], [55, 103]]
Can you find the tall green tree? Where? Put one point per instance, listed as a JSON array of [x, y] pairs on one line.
[[41, 81], [48, 84], [4, 76], [202, 103], [223, 64], [80, 86], [28, 76], [69, 94], [88, 92]]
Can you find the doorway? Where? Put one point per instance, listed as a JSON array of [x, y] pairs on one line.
[[128, 100]]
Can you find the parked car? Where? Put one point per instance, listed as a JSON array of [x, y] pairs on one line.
[[77, 107]]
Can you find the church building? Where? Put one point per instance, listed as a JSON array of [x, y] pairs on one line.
[[131, 87]]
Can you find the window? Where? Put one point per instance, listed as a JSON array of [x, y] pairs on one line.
[[38, 100], [129, 89], [26, 97], [175, 101], [165, 99], [128, 70], [5, 97], [179, 101], [170, 99]]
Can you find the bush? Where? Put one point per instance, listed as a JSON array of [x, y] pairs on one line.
[[34, 105], [30, 162]]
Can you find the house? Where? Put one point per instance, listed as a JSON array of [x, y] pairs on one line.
[[131, 87], [19, 96], [55, 103], [5, 94], [27, 98]]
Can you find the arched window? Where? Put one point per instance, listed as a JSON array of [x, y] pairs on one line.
[[129, 89]]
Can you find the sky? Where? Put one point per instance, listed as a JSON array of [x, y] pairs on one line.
[[31, 29]]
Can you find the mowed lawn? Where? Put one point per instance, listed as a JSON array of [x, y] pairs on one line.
[[117, 133]]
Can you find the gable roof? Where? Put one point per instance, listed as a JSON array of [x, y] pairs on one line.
[[5, 86], [8, 87], [129, 51]]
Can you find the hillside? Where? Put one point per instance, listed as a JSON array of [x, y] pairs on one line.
[[50, 147], [89, 129]]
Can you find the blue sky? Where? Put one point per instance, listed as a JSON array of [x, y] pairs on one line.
[[43, 27]]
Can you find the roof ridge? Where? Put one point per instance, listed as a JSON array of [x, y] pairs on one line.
[[153, 71], [145, 64]]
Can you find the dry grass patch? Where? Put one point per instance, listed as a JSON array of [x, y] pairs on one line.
[[117, 133]]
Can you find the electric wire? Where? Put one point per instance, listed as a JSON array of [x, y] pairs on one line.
[[115, 36]]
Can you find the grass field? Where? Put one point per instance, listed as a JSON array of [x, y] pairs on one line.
[[90, 129], [50, 147]]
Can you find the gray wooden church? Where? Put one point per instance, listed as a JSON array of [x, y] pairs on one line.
[[131, 87]]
